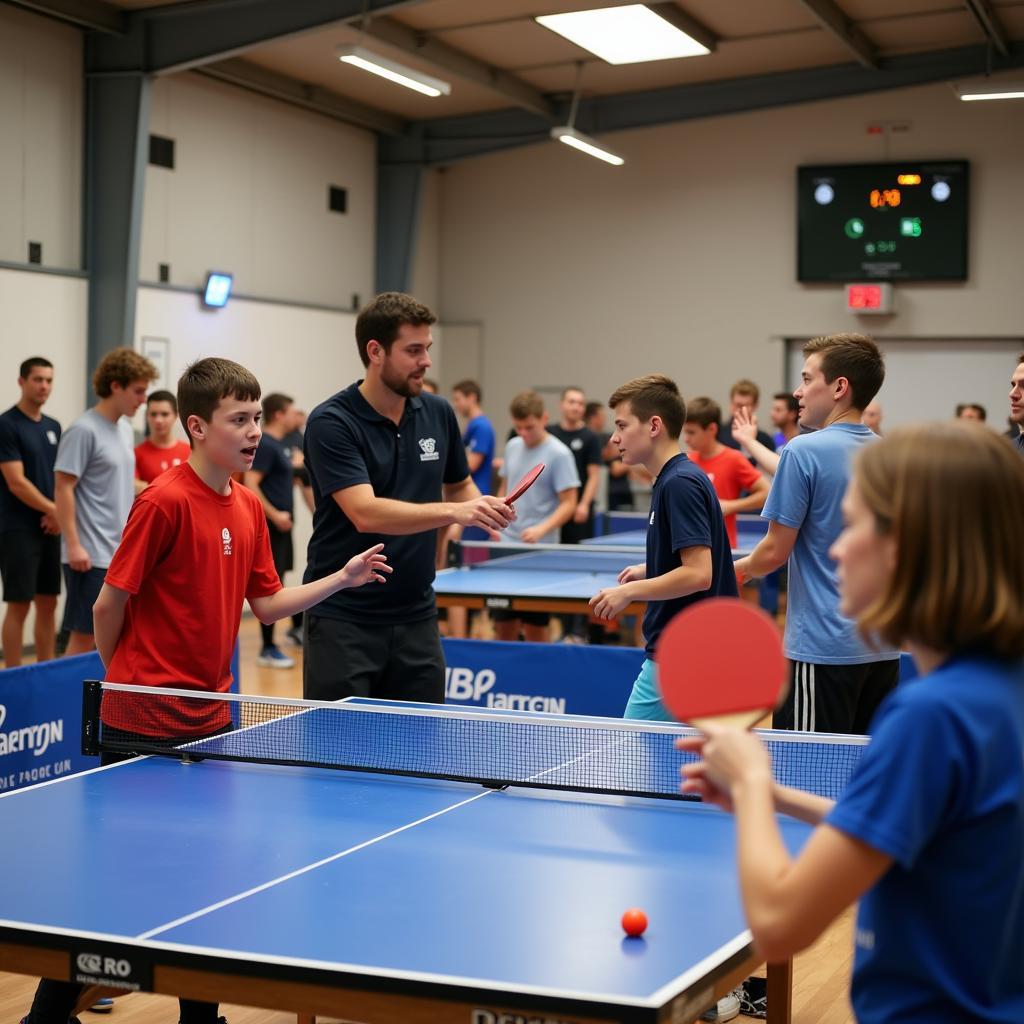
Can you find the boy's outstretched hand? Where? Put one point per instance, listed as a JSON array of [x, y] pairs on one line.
[[366, 567]]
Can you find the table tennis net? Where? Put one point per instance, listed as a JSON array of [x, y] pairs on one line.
[[490, 748]]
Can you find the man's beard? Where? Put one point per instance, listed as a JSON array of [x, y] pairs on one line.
[[407, 387]]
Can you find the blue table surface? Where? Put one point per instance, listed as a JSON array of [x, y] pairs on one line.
[[507, 890], [576, 574]]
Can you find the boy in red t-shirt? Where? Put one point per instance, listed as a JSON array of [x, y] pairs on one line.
[[730, 472], [161, 450], [194, 547]]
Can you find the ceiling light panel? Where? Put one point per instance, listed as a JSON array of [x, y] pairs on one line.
[[624, 35]]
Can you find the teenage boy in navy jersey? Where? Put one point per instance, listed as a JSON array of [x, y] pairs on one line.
[[194, 547], [688, 554]]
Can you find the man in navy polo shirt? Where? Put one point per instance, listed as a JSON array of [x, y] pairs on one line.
[[29, 532], [387, 463]]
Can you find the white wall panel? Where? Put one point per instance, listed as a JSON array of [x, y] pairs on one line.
[[248, 194], [41, 111]]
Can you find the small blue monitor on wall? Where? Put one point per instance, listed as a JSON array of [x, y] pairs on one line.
[[217, 290]]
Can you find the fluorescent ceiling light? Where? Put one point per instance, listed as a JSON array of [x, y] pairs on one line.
[[585, 144], [624, 35], [360, 57], [987, 89]]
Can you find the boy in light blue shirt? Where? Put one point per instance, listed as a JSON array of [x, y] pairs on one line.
[[542, 510], [836, 682]]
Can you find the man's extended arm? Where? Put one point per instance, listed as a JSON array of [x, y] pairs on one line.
[[370, 514]]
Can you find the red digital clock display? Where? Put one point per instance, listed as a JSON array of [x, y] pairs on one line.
[[885, 197]]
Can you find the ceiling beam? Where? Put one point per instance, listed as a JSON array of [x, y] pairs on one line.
[[183, 36], [989, 22], [91, 14], [835, 21], [447, 140], [262, 80], [686, 23], [451, 61]]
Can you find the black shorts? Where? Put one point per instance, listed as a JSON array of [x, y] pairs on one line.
[[29, 564], [83, 588], [282, 549], [835, 698], [528, 618], [349, 659]]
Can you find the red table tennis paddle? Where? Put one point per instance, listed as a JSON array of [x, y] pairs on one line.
[[525, 484], [721, 661]]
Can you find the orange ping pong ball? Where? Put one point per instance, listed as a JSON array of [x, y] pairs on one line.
[[634, 922]]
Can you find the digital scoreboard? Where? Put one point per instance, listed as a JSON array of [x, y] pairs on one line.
[[887, 222]]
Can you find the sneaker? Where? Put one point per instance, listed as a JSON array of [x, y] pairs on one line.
[[754, 998], [102, 1006], [295, 635], [727, 1008], [274, 657]]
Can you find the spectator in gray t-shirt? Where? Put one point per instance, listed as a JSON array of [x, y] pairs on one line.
[[95, 485], [542, 510]]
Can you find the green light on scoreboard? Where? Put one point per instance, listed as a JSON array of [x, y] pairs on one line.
[[854, 228], [910, 227]]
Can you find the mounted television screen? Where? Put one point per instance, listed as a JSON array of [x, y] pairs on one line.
[[892, 222]]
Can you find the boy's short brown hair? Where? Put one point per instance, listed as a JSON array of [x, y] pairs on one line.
[[855, 357], [525, 405], [653, 395], [747, 388], [121, 366], [468, 387], [703, 411], [162, 396], [383, 317], [207, 381], [274, 403], [950, 494]]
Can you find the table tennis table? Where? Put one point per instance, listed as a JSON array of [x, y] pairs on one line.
[[552, 578], [483, 887]]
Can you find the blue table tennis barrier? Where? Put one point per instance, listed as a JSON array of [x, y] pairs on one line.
[[564, 679], [41, 719]]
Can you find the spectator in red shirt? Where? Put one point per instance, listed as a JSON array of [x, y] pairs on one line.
[[739, 486], [161, 450]]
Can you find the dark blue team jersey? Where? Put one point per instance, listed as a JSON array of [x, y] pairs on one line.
[[347, 442], [278, 483], [34, 445], [685, 513]]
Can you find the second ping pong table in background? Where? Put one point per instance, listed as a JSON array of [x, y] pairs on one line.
[[388, 862], [537, 578]]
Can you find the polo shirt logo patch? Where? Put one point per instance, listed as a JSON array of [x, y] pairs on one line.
[[51, 437], [225, 537], [428, 450]]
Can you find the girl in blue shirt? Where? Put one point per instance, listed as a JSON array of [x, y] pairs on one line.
[[929, 833]]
